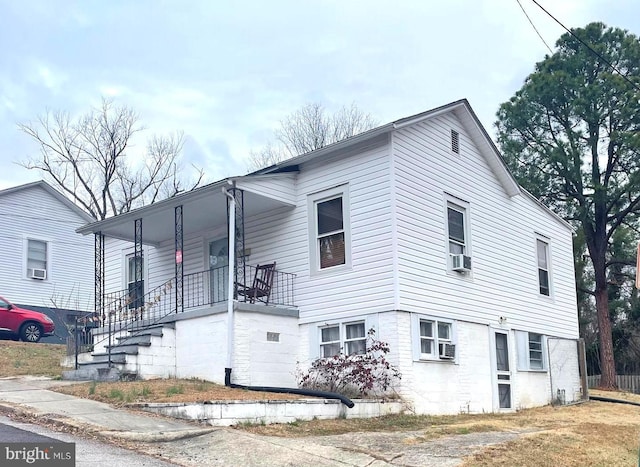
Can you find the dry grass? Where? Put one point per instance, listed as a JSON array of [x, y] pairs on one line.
[[24, 358], [164, 390], [593, 433]]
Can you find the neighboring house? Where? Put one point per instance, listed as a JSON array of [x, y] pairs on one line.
[[416, 229], [44, 264]]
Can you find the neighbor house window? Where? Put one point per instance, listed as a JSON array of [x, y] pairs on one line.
[[36, 257], [431, 336], [531, 351], [329, 229], [543, 266], [349, 338]]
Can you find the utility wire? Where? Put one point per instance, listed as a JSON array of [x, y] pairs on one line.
[[589, 47], [534, 27]]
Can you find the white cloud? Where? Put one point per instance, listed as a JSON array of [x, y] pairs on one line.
[[226, 73]]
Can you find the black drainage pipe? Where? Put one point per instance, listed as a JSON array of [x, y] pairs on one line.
[[301, 392], [615, 401]]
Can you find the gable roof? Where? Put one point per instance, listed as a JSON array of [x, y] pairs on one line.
[[462, 110], [53, 192]]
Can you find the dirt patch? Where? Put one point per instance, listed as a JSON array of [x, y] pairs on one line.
[[164, 390], [25, 358]]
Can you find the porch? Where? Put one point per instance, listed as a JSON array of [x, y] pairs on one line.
[[129, 309], [188, 260]]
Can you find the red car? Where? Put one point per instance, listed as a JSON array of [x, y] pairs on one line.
[[28, 325]]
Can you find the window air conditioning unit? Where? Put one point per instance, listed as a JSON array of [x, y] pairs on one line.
[[447, 351], [40, 274], [461, 263]]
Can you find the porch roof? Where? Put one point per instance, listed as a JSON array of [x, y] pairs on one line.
[[202, 208]]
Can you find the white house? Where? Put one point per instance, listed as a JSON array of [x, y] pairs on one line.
[[44, 264], [415, 228]]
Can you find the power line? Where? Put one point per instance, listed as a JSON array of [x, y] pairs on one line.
[[588, 47], [534, 27]]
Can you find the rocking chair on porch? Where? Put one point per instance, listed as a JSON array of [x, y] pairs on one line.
[[260, 290]]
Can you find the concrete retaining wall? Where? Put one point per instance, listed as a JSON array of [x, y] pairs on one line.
[[226, 413]]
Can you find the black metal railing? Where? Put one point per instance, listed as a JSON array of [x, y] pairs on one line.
[[127, 311]]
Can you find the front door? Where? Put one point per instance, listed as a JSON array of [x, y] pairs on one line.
[[218, 270], [501, 370]]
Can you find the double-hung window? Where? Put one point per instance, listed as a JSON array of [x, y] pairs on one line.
[[536, 361], [329, 229], [543, 266], [349, 338], [457, 235], [434, 339], [330, 233], [36, 258], [531, 351]]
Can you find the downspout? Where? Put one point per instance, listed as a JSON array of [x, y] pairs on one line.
[[231, 285]]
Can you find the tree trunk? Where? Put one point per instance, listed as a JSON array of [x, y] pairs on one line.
[[607, 363]]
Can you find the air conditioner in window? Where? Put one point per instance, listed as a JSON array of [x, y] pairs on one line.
[[461, 263], [446, 350], [40, 274]]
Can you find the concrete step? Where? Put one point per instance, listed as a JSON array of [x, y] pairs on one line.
[[116, 357], [130, 349], [140, 339], [100, 365], [94, 373]]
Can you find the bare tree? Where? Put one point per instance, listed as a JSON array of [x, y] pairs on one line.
[[310, 128], [88, 160]]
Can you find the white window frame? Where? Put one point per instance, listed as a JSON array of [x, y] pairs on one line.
[[524, 349], [314, 244], [342, 336], [417, 338], [315, 329], [453, 202], [26, 269], [547, 243]]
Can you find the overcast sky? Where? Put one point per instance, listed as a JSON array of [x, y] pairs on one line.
[[226, 72]]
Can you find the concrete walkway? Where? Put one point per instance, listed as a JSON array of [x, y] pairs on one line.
[[189, 444], [30, 396]]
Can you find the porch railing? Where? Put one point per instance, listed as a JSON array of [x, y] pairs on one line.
[[212, 286], [123, 311]]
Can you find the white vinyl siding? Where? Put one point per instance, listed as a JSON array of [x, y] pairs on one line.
[[35, 214], [501, 228], [284, 235]]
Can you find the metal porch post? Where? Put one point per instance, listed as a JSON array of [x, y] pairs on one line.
[[137, 236], [99, 274], [240, 263], [98, 289], [178, 255]]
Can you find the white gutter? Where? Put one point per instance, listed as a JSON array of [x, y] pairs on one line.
[[232, 265]]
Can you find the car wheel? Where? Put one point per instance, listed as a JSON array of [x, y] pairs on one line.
[[31, 332]]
